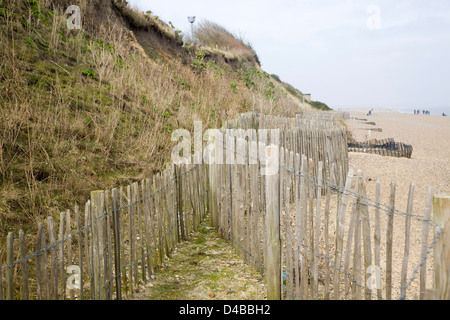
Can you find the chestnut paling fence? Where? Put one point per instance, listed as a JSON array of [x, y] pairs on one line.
[[318, 239], [107, 249], [287, 203]]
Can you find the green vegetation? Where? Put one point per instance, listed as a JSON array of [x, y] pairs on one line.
[[276, 77], [204, 268], [147, 21], [29, 41], [319, 105], [213, 35], [95, 108], [299, 95], [88, 73], [234, 87]]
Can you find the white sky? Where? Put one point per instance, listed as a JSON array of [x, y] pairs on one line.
[[329, 48]]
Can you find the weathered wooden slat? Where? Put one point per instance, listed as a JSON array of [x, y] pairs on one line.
[[116, 235], [81, 258], [297, 230], [87, 243], [343, 201], [69, 261], [91, 247], [310, 222], [272, 261], [61, 236], [139, 207], [303, 227], [104, 273], [350, 242], [365, 221], [131, 251], [23, 254], [357, 279], [151, 234], [409, 211], [10, 270], [377, 238], [441, 216], [97, 204], [389, 241], [134, 225], [147, 231], [122, 229], [53, 259], [326, 234], [315, 291], [424, 244], [38, 263], [108, 245]]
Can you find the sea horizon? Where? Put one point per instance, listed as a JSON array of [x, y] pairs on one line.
[[434, 111]]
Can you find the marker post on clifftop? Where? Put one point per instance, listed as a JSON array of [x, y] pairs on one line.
[[191, 20]]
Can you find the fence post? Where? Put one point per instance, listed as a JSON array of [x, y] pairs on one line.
[[212, 189], [54, 258], [273, 258], [25, 292], [441, 216], [116, 233], [98, 244], [179, 194], [10, 270]]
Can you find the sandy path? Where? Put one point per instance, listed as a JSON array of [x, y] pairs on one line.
[[204, 268]]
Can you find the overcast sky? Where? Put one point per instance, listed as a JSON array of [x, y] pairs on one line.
[[346, 53]]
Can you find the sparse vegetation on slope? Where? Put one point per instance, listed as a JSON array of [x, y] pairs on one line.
[[319, 105], [94, 108], [204, 268], [298, 94], [148, 21], [216, 37]]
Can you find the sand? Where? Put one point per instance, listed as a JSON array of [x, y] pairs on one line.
[[430, 161], [428, 166]]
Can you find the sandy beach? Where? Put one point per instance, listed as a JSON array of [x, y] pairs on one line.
[[430, 161], [428, 166]]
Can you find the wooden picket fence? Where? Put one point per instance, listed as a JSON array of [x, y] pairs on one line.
[[316, 239], [285, 200], [112, 247], [313, 134]]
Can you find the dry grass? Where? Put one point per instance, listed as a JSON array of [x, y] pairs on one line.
[[213, 35], [146, 20], [87, 110], [204, 268]]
